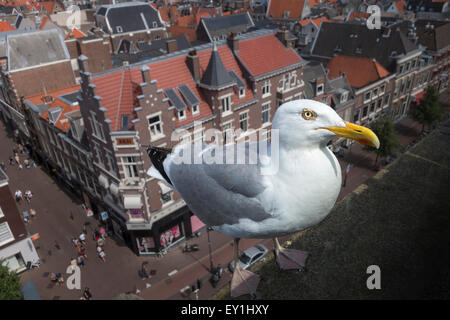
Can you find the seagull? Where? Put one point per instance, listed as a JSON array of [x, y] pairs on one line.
[[264, 189]]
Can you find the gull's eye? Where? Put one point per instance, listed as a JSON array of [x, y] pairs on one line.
[[308, 114]]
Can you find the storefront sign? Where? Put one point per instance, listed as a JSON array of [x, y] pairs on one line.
[[139, 226], [124, 141], [104, 215]]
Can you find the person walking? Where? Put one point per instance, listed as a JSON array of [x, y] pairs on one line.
[[73, 263], [82, 251], [87, 294], [18, 195], [28, 196], [80, 261], [11, 161], [144, 271], [2, 165], [16, 156], [82, 238], [102, 232]]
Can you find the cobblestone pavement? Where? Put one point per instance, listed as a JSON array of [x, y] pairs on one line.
[[60, 217]]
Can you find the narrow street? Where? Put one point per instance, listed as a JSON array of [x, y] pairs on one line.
[[60, 218]]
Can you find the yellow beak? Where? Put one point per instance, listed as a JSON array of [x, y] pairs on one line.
[[360, 134]]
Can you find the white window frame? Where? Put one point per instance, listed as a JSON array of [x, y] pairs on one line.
[[344, 97], [98, 153], [225, 105], [370, 96], [241, 93], [268, 113], [129, 173], [243, 117], [197, 107], [181, 115], [227, 127], [319, 89], [111, 161], [265, 89], [160, 135]]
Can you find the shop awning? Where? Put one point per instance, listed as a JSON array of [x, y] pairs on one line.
[[417, 97], [196, 223], [132, 202], [164, 188]]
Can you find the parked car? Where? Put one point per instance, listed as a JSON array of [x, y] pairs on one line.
[[249, 257]]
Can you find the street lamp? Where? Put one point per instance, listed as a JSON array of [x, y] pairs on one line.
[[211, 265]]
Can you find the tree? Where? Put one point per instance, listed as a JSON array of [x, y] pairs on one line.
[[429, 110], [383, 127], [9, 284]]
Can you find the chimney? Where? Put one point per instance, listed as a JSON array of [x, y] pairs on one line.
[[171, 45], [193, 64], [83, 63], [233, 41], [145, 71], [282, 34]]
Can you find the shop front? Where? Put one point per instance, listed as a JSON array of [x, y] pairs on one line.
[[162, 234]]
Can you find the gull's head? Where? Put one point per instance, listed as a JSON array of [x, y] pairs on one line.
[[309, 123]]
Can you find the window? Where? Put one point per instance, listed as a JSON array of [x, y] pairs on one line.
[[97, 127], [195, 109], [375, 92], [119, 29], [266, 88], [367, 96], [320, 89], [402, 88], [364, 113], [6, 235], [413, 64], [155, 24], [408, 85], [199, 136], [186, 139], [111, 160], [155, 126], [241, 93], [372, 107], [386, 100], [400, 70], [265, 113], [382, 89], [181, 115], [130, 167], [98, 154], [380, 101], [407, 66], [344, 97], [227, 132], [356, 115], [226, 104], [243, 121]]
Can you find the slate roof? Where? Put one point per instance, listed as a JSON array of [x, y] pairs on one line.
[[313, 71], [359, 71], [433, 38], [216, 75], [358, 40], [129, 16], [277, 8], [221, 26], [48, 46]]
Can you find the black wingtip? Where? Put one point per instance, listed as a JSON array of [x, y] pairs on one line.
[[157, 156]]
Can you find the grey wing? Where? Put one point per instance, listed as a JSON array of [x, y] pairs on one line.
[[221, 184]]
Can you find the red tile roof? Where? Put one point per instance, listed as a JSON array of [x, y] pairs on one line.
[[43, 22], [5, 26], [176, 31], [315, 21], [400, 4], [75, 34], [277, 8], [359, 71], [118, 88], [357, 14], [264, 54], [48, 5], [62, 123]]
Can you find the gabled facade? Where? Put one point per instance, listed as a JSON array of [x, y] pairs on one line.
[[234, 84], [218, 28]]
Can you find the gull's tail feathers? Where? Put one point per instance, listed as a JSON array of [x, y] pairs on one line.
[[157, 156]]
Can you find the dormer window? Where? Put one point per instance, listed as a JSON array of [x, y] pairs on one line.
[[155, 24], [286, 14], [195, 109], [181, 115], [241, 93], [344, 97], [119, 29]]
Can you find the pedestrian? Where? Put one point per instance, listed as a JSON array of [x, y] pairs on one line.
[[20, 149], [80, 261], [102, 232], [144, 271], [100, 242], [59, 278], [53, 277], [26, 162], [96, 235], [11, 161], [32, 213], [2, 165], [18, 195], [28, 196], [82, 238], [76, 242], [102, 255], [87, 294], [16, 156], [82, 251]]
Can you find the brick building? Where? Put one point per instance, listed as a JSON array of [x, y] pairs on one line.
[[239, 84], [16, 246]]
